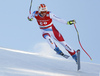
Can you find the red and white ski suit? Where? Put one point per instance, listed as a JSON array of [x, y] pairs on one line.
[[49, 31]]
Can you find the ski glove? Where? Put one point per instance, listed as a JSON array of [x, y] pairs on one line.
[[30, 19], [71, 22]]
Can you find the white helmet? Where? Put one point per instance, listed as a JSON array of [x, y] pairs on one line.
[[42, 7]]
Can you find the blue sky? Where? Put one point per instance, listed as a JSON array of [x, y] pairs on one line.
[[17, 32]]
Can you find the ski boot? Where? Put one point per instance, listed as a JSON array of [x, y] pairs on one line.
[[61, 53], [74, 57]]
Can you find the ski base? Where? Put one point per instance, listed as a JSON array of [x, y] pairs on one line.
[[78, 60]]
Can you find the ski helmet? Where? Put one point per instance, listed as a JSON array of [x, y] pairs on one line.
[[42, 7]]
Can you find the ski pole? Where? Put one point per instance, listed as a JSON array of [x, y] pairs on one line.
[[30, 6], [80, 42]]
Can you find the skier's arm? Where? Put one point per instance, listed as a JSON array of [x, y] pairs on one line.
[[53, 16]]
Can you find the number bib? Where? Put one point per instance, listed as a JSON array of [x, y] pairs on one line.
[[43, 21]]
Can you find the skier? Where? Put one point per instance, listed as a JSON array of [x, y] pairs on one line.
[[44, 19]]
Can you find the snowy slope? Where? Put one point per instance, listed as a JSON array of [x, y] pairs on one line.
[[20, 63]]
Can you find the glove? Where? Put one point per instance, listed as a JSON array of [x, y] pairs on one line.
[[71, 22], [30, 19]]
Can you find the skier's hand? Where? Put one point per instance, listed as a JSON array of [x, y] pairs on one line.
[[71, 22], [30, 19]]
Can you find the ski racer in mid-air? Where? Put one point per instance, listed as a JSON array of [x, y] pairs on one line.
[[44, 19]]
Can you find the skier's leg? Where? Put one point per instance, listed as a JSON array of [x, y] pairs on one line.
[[70, 50], [67, 47], [60, 38], [52, 44]]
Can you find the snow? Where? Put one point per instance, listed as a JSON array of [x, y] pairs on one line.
[[21, 63]]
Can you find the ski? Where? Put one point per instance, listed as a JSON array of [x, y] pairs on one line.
[[78, 60], [66, 56]]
